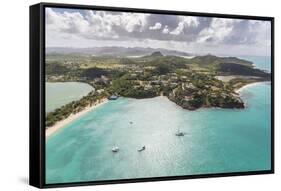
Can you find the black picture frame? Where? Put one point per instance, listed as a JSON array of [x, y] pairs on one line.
[[37, 94]]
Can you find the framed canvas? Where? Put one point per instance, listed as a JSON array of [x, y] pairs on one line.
[[123, 95]]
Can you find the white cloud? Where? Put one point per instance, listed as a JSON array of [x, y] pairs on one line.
[[185, 22], [165, 30], [179, 29], [218, 30], [65, 22], [104, 21], [129, 21], [157, 26], [133, 21], [190, 21], [194, 34], [98, 24], [262, 31]]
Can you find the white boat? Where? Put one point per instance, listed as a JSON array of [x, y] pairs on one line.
[[179, 133], [141, 149], [115, 149], [113, 97]]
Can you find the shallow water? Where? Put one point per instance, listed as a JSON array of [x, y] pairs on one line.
[[216, 140]]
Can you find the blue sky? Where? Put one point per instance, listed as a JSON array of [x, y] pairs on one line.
[[199, 35]]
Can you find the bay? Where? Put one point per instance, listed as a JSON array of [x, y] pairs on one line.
[[216, 140]]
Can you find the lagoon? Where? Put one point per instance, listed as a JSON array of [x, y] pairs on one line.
[[61, 93]]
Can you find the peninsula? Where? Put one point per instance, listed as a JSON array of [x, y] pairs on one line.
[[192, 83]]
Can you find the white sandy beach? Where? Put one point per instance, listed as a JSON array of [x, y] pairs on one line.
[[72, 117], [248, 85]]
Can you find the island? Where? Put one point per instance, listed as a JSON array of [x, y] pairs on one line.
[[192, 83]]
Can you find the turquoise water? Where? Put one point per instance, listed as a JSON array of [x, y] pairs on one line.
[[61, 93], [216, 140], [261, 62]]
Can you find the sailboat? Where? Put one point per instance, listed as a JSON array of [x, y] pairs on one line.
[[141, 149], [115, 149], [179, 133]]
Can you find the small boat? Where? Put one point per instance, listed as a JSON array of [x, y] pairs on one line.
[[141, 149], [179, 134], [115, 149], [131, 122], [113, 97]]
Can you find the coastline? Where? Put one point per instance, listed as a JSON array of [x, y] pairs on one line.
[[59, 125], [248, 85]]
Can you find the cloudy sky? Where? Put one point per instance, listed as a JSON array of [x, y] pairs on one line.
[[200, 35]]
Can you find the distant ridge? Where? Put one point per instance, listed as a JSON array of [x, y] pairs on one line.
[[212, 59], [115, 51], [157, 54]]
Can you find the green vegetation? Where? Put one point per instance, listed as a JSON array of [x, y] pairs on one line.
[[237, 69], [163, 69], [73, 107], [190, 83]]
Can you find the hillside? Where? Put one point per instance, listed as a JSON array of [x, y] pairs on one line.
[[191, 83], [238, 69], [209, 60], [113, 51]]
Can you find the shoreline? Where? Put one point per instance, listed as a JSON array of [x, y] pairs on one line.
[[249, 85], [61, 124]]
